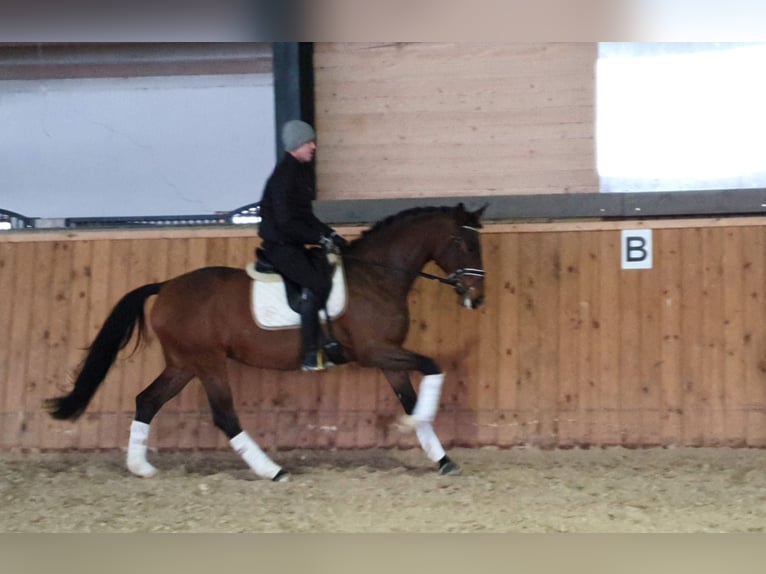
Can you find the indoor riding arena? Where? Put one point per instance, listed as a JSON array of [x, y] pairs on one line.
[[614, 380]]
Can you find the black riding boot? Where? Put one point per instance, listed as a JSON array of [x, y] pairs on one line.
[[312, 357]]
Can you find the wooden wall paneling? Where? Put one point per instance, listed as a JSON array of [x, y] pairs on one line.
[[217, 250], [713, 323], [507, 307], [629, 386], [469, 323], [587, 333], [488, 349], [571, 325], [693, 346], [672, 355], [132, 360], [438, 115], [548, 285], [112, 433], [58, 341], [733, 380], [39, 334], [347, 415], [460, 363], [668, 254], [650, 351], [99, 306], [254, 407], [21, 329], [606, 420], [304, 390], [367, 409], [78, 336], [754, 334], [589, 349], [283, 404], [330, 391], [531, 335], [8, 275]]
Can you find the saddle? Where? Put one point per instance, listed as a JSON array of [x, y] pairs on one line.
[[292, 289], [275, 300], [275, 307]]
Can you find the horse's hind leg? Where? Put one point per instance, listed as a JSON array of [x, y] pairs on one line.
[[405, 392], [225, 418], [148, 403]]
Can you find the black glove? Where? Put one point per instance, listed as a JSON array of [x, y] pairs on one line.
[[332, 244], [338, 241]]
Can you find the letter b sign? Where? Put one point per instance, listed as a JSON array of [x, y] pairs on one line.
[[636, 248]]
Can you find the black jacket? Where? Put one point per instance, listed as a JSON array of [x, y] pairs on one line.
[[287, 214]]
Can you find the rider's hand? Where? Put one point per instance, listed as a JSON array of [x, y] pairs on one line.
[[338, 241], [327, 243]]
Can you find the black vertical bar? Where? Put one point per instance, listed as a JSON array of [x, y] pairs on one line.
[[293, 85]]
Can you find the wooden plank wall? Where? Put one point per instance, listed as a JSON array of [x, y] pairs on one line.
[[439, 120], [569, 350]]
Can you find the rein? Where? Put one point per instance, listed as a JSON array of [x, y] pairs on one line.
[[453, 279]]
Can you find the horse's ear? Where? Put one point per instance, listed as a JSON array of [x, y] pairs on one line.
[[479, 212]]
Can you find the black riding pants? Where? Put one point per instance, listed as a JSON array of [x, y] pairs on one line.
[[307, 267]]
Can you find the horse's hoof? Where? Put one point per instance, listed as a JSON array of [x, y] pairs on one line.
[[448, 468], [281, 476], [142, 469]]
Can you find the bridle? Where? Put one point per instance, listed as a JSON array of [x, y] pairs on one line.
[[454, 279]]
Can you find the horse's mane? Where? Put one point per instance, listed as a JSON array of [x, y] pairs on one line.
[[397, 217]]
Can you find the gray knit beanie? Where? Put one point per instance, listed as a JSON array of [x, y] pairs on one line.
[[295, 133]]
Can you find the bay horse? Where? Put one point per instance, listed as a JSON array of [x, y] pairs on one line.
[[203, 318]]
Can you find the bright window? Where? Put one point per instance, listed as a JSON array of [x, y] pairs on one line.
[[681, 116]]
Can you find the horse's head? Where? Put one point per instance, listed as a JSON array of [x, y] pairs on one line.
[[460, 257]]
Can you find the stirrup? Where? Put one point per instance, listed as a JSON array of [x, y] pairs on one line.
[[313, 361]]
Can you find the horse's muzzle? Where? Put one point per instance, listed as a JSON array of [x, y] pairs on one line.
[[470, 297]]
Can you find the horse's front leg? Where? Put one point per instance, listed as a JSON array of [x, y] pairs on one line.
[[405, 392]]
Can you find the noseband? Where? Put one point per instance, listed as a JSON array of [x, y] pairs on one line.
[[455, 279]]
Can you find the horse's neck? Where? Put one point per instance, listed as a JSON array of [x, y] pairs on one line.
[[404, 249]]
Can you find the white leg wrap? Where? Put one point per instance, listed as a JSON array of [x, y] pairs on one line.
[[255, 458], [430, 442], [427, 404], [137, 446], [428, 398]]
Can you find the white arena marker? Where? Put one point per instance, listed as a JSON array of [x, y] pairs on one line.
[[637, 249]]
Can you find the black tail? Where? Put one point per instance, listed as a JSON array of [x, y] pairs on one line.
[[113, 336]]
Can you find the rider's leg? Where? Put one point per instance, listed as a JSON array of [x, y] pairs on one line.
[[312, 358]]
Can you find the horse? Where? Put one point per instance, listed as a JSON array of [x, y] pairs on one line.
[[203, 318]]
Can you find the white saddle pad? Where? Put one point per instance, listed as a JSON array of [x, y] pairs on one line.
[[268, 299]]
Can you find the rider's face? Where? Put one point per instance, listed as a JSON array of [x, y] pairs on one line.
[[305, 153]]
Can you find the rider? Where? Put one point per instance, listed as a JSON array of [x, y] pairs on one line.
[[288, 225]]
